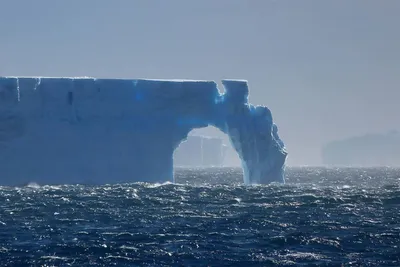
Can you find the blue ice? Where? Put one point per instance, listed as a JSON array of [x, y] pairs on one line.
[[87, 130]]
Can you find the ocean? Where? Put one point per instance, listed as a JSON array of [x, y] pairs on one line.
[[320, 217]]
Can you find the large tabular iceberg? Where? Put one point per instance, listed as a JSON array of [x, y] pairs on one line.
[[86, 130]]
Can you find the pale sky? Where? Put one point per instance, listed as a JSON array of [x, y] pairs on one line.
[[327, 69]]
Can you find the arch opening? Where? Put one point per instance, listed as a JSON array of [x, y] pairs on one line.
[[250, 129], [206, 148]]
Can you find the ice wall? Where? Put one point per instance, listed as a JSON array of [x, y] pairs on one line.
[[86, 130]]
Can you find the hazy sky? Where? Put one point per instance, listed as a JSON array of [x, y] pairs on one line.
[[327, 69]]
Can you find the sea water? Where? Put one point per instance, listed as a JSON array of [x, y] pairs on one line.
[[320, 217]]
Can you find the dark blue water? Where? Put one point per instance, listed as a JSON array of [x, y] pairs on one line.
[[321, 217]]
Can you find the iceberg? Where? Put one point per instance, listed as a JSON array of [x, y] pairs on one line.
[[369, 150], [102, 131]]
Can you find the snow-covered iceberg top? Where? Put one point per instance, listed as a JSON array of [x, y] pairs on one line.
[[81, 129]]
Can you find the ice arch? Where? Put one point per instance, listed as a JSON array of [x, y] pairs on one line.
[[205, 147], [77, 130]]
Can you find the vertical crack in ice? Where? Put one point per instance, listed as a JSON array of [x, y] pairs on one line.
[[18, 92], [71, 100], [38, 82]]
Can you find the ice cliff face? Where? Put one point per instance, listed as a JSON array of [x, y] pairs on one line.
[[253, 135], [86, 130]]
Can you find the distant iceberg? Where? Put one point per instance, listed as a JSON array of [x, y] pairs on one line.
[[81, 130], [200, 151], [369, 150]]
